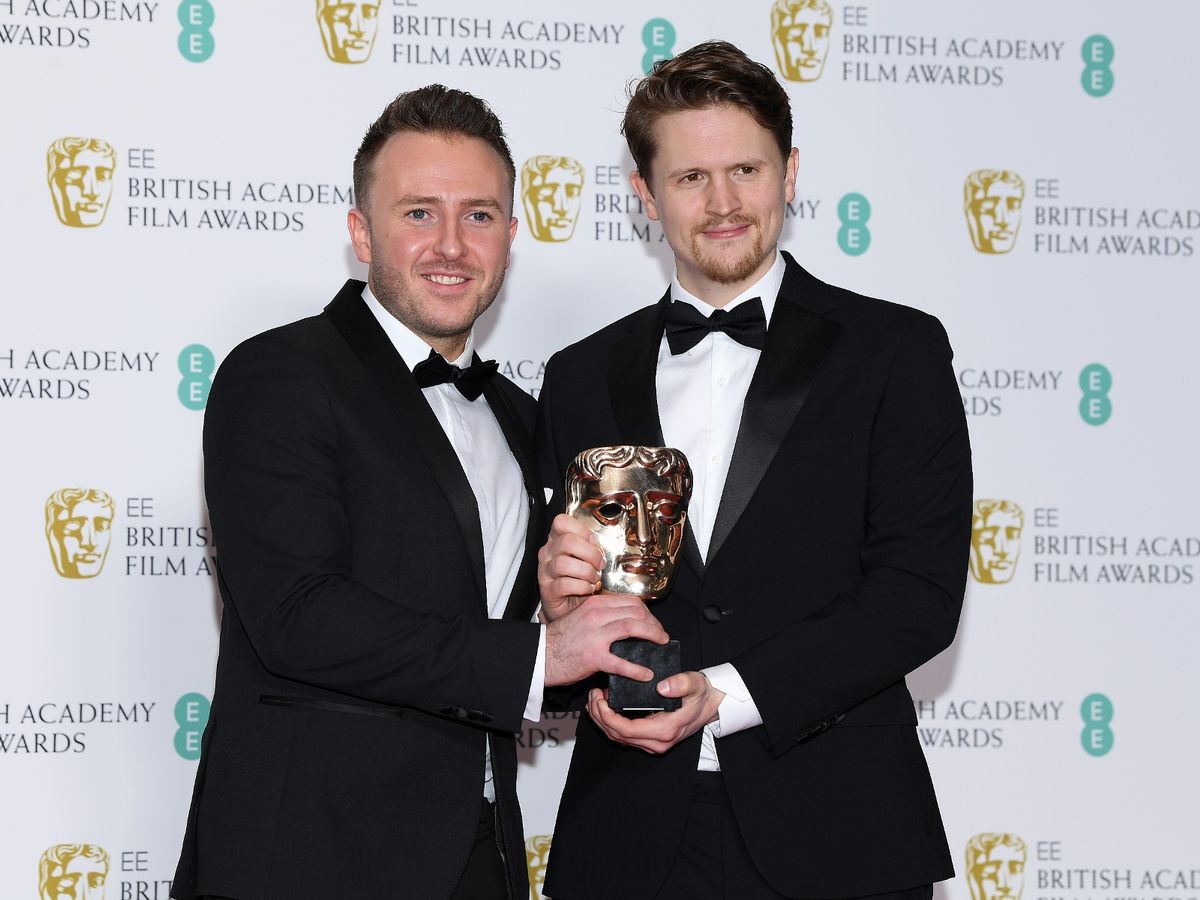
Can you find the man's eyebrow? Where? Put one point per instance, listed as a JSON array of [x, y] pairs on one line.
[[415, 200]]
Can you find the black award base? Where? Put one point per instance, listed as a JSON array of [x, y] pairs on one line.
[[640, 698]]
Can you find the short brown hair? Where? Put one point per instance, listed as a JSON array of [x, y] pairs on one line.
[[714, 73], [433, 109]]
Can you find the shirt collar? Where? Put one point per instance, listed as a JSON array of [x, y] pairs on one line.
[[766, 287], [412, 349]]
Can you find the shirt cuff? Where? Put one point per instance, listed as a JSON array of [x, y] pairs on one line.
[[537, 684], [737, 711]]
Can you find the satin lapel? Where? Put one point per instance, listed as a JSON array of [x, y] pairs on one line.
[[349, 314], [797, 342], [632, 366], [521, 601], [632, 380]]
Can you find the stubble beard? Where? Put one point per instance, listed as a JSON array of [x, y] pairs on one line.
[[394, 291], [723, 271]]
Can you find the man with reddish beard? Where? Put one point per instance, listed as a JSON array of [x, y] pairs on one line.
[[372, 487], [826, 546]]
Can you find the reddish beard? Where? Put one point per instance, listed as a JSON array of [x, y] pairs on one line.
[[728, 271]]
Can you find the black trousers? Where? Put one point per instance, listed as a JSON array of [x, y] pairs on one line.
[[713, 862]]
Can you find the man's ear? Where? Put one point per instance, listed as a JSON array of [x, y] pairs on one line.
[[642, 189], [791, 168], [360, 235]]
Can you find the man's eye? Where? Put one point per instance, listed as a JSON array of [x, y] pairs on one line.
[[481, 217], [418, 214]]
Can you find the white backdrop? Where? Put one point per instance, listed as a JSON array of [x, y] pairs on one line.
[[215, 208]]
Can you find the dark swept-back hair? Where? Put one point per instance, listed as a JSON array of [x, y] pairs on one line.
[[714, 73], [433, 109]]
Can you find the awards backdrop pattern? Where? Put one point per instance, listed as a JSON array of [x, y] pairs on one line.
[[180, 175]]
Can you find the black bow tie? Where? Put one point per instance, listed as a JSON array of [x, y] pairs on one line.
[[687, 326], [469, 381]]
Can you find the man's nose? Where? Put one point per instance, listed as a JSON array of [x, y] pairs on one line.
[[722, 197], [449, 243]]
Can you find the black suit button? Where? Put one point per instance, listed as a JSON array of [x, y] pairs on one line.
[[711, 614], [460, 713], [474, 715]]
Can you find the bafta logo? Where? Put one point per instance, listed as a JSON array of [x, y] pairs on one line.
[[78, 530], [552, 190], [348, 29], [80, 173], [996, 866], [995, 540], [73, 872], [800, 35], [537, 855], [992, 205]]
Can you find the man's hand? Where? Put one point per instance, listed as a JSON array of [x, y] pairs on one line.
[[568, 567], [661, 731], [577, 642]]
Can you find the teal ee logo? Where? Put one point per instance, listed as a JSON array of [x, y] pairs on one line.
[[1097, 712], [658, 37], [854, 237], [1095, 381], [1097, 77], [196, 364], [191, 714], [196, 40]]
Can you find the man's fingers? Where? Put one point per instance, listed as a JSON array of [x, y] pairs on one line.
[[682, 684], [617, 666]]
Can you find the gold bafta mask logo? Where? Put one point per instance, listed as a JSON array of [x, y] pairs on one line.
[[552, 190], [537, 855], [634, 499], [80, 175], [800, 35], [348, 29], [992, 204], [996, 866], [78, 529], [995, 540], [73, 872]]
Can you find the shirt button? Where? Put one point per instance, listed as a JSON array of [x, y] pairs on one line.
[[721, 381], [716, 457]]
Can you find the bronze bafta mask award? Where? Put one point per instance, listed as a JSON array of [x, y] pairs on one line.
[[634, 499]]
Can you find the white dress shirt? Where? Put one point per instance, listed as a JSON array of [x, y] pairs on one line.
[[495, 478], [700, 397]]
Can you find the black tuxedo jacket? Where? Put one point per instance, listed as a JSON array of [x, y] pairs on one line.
[[359, 676], [837, 565]]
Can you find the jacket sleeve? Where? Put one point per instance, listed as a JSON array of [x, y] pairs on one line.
[[905, 608]]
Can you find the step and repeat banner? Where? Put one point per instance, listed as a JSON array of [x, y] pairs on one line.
[[178, 177]]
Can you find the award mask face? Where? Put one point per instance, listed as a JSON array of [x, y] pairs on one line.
[[634, 499]]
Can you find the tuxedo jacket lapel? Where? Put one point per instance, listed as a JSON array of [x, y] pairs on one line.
[[797, 341], [521, 602], [362, 332], [632, 367], [632, 380]]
